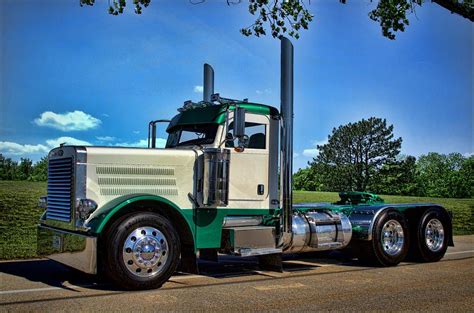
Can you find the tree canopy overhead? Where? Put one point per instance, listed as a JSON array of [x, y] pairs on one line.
[[288, 17]]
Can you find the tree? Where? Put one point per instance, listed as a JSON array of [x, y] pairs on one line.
[[309, 179], [355, 152], [25, 168], [449, 175], [397, 178], [40, 170], [8, 168], [289, 16]]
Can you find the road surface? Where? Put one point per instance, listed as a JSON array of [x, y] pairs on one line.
[[308, 283]]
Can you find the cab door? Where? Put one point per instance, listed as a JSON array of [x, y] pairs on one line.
[[249, 185]]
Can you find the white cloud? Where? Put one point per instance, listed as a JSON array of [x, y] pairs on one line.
[[198, 89], [105, 115], [13, 148], [468, 154], [143, 143], [313, 152], [105, 138], [68, 121], [136, 132], [266, 91], [310, 152], [68, 141]]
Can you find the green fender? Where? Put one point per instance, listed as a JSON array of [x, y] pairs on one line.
[[102, 216]]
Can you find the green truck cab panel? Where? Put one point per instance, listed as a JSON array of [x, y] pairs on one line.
[[209, 223], [215, 114], [205, 224]]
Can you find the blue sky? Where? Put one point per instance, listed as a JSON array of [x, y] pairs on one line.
[[83, 76]]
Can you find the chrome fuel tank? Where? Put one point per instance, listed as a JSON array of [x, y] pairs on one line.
[[318, 231]]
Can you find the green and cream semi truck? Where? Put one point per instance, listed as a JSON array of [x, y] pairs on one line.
[[222, 184]]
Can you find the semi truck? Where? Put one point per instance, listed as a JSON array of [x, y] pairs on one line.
[[221, 185]]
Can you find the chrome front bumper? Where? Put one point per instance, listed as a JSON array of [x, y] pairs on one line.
[[74, 250]]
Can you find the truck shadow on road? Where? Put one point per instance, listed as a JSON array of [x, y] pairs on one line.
[[48, 272], [57, 275]]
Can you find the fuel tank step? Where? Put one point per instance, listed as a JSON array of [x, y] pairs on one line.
[[249, 240]]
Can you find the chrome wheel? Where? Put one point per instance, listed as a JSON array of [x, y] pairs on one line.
[[392, 238], [434, 235], [145, 251]]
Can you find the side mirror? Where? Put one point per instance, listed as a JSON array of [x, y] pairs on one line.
[[239, 122], [239, 128]]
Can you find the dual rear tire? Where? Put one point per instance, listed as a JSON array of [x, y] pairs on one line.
[[432, 236], [393, 239]]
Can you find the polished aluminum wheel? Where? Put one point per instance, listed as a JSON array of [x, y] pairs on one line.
[[392, 237], [434, 235], [145, 251]]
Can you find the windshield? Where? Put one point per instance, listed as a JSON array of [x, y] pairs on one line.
[[192, 135]]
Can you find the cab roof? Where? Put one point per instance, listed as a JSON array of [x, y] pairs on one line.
[[215, 114]]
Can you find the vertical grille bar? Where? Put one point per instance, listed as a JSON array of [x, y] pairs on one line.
[[59, 189]]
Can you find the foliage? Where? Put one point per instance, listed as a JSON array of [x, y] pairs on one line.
[[116, 7], [24, 170], [290, 16], [40, 170], [282, 17], [306, 179], [355, 153], [397, 178], [364, 156], [432, 175], [446, 175]]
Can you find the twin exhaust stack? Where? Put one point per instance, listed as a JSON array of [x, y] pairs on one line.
[[286, 133]]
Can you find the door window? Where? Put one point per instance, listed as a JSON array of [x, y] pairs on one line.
[[256, 133]]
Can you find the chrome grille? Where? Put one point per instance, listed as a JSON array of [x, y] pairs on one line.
[[59, 189]]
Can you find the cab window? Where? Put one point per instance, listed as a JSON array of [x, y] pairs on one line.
[[192, 135], [257, 135]]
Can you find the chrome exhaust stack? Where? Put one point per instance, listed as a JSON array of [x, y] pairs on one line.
[[208, 87], [286, 143]]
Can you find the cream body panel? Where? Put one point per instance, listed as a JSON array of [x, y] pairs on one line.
[[114, 172]]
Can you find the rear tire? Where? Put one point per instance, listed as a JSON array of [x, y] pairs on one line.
[[431, 240], [141, 251], [390, 240]]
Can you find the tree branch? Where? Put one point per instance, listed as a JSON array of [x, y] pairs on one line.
[[465, 9]]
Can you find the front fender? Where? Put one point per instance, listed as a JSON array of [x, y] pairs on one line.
[[99, 219]]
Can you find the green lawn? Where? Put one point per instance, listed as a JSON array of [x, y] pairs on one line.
[[19, 214]]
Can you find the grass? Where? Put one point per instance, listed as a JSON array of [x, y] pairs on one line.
[[19, 214]]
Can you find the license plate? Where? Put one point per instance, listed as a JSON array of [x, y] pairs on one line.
[[57, 240]]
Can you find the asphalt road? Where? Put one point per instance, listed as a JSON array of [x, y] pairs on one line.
[[310, 282]]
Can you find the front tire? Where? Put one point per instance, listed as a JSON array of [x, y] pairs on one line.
[[142, 251], [431, 236], [390, 240]]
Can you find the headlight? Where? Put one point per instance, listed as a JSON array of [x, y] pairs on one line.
[[84, 208]]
